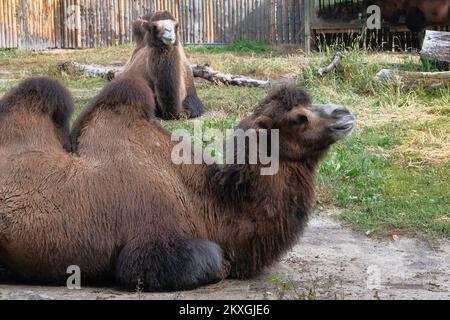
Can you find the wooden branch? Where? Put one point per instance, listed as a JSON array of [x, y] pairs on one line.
[[206, 72], [430, 80], [199, 71], [334, 65], [91, 71]]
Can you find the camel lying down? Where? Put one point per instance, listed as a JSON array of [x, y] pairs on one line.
[[118, 208]]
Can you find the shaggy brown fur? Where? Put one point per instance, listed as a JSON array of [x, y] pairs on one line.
[[119, 208], [420, 13], [41, 97], [253, 218], [105, 209], [165, 67]]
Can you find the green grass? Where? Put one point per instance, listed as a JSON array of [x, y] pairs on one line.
[[391, 176], [239, 47], [380, 195]]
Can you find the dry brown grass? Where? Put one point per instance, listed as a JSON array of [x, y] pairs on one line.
[[421, 148]]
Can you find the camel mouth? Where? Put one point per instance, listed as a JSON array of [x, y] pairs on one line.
[[348, 126], [344, 127], [169, 41]]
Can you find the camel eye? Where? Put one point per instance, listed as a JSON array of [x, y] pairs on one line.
[[154, 27], [300, 120]]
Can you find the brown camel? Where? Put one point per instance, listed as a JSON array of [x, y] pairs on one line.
[[160, 59], [121, 210]]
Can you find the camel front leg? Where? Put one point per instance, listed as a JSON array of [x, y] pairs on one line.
[[176, 266]]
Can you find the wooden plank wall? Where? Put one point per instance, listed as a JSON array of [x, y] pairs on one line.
[[28, 23], [40, 24]]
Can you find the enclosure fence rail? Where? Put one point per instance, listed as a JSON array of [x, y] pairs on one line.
[[42, 24]]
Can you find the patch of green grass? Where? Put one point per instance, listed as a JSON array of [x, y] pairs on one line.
[[241, 46], [394, 173], [9, 53], [249, 46], [380, 195], [415, 63], [231, 100]]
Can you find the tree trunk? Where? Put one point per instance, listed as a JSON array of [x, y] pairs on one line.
[[430, 80], [108, 72], [206, 72], [436, 47]]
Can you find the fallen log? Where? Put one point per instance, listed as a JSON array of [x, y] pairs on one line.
[[436, 48], [334, 65], [91, 71], [206, 72], [199, 71], [430, 80]]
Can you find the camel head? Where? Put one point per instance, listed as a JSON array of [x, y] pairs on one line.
[[305, 129], [162, 29]]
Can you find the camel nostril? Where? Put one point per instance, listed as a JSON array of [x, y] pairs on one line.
[[340, 112]]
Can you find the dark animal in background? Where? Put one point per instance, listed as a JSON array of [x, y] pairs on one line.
[[419, 14], [416, 13], [160, 59]]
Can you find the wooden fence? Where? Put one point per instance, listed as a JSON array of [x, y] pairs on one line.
[[41, 24]]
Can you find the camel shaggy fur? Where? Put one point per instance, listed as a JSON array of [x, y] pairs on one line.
[[121, 210], [160, 59]]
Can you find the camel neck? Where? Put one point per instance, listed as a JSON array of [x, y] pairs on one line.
[[164, 51], [254, 218]]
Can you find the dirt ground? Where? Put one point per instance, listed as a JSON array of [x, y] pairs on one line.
[[329, 262]]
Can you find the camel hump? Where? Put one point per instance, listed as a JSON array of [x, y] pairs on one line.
[[124, 95], [138, 32], [127, 92], [41, 94]]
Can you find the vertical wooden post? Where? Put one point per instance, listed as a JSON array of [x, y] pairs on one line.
[[4, 14], [77, 24], [2, 25], [308, 11], [122, 21], [15, 24], [31, 23], [273, 21], [7, 13]]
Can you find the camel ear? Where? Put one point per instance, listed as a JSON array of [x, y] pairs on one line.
[[264, 122], [145, 24]]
